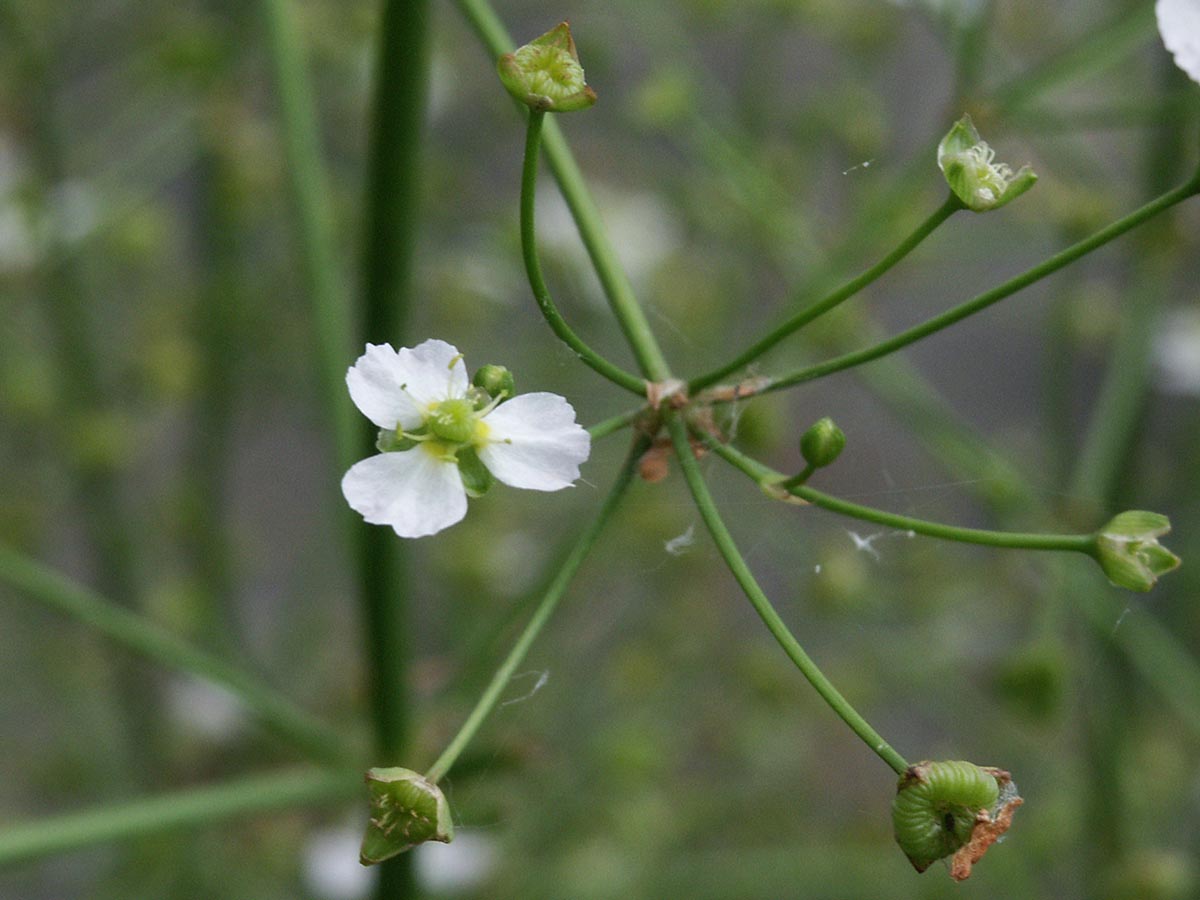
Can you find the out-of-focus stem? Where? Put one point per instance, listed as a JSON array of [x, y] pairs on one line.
[[391, 203], [192, 808]]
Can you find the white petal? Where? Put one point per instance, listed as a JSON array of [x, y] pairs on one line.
[[1179, 25], [533, 442], [432, 371], [392, 388], [414, 491], [376, 392]]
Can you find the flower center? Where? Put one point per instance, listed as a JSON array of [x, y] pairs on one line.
[[453, 420]]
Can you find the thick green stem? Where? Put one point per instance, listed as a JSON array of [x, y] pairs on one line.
[[182, 809], [995, 295], [618, 291], [276, 712], [533, 268], [392, 199], [824, 305], [773, 482], [737, 565], [549, 602], [314, 221]]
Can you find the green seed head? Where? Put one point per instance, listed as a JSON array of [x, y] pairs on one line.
[[1128, 550], [406, 810], [546, 75], [972, 173]]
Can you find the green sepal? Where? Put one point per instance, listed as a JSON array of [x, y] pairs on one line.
[[406, 810], [1128, 550], [545, 74], [393, 439], [475, 475], [977, 181]]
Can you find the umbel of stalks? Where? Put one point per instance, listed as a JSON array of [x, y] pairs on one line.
[[952, 809]]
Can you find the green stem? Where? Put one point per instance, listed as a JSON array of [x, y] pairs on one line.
[[180, 809], [615, 423], [824, 305], [533, 268], [775, 624], [314, 221], [549, 602], [391, 199], [618, 291], [1106, 46], [772, 481], [142, 636], [995, 295]]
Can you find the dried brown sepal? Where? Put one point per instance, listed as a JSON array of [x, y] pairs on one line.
[[986, 832], [655, 463], [672, 391]]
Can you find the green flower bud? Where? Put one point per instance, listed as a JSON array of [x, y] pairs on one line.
[[972, 173], [406, 810], [822, 443], [1128, 551], [546, 75], [476, 477], [496, 380]]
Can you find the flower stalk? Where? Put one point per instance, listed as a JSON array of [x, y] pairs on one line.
[[545, 608], [775, 624]]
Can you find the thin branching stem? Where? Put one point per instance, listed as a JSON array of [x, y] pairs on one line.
[[549, 602], [847, 290], [758, 599], [533, 268], [995, 295]]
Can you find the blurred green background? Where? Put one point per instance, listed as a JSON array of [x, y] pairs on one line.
[[162, 438]]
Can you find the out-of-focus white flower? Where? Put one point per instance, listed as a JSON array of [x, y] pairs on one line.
[[1177, 351], [331, 867], [1179, 25], [644, 233], [441, 441], [205, 709], [457, 867]]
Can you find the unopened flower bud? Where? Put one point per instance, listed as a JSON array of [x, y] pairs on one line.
[[546, 75], [822, 443], [972, 173], [496, 380], [406, 810], [1128, 550]]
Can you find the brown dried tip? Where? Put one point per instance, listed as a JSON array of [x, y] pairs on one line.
[[985, 833]]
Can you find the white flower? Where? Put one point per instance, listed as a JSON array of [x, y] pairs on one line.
[[422, 397], [1179, 25]]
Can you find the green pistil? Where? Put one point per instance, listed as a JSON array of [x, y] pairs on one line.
[[453, 421]]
